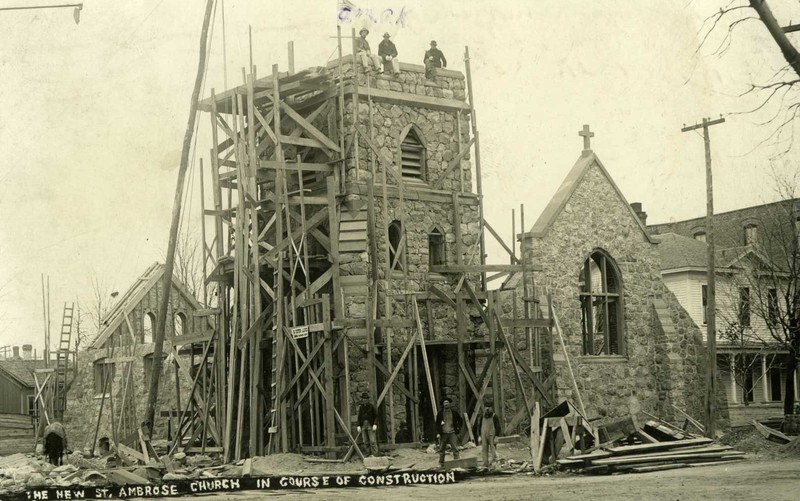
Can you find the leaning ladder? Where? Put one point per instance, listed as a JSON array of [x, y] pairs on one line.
[[62, 361]]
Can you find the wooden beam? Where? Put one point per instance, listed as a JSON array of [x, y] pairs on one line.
[[478, 268], [442, 295], [309, 128], [456, 162]]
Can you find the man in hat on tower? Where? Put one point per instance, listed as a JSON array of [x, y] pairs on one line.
[[364, 53], [433, 59], [366, 424], [388, 54]]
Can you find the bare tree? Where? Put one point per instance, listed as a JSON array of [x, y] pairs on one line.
[[773, 279], [782, 85], [100, 303], [748, 351], [189, 264]]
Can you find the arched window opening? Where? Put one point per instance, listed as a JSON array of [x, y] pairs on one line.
[[148, 327], [699, 235], [601, 306], [180, 324], [396, 246], [412, 156], [436, 250], [751, 234]]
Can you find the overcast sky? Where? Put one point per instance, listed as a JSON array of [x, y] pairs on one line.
[[92, 115]]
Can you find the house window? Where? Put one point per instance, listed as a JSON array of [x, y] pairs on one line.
[[773, 312], [149, 322], [775, 383], [412, 156], [601, 306], [436, 252], [33, 406], [103, 372], [179, 324], [704, 294], [751, 234], [396, 245], [699, 235], [744, 306]]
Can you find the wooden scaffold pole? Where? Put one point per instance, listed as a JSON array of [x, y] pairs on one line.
[[173, 234]]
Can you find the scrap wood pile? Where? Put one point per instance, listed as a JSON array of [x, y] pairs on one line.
[[660, 446]]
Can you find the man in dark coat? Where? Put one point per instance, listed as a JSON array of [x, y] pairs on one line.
[[448, 427], [366, 424], [489, 426], [433, 59], [388, 54], [55, 443]]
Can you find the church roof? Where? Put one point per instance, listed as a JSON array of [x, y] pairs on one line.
[[567, 188]]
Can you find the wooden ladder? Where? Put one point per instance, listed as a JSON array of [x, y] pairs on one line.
[[62, 361]]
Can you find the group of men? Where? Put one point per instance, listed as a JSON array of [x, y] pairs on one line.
[[387, 56], [448, 429]]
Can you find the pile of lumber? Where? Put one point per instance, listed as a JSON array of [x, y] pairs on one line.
[[672, 449]]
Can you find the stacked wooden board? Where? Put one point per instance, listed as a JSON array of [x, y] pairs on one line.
[[652, 456]]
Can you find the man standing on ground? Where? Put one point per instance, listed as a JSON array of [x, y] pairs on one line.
[[388, 54], [367, 426], [433, 59], [489, 431], [448, 426], [364, 53]]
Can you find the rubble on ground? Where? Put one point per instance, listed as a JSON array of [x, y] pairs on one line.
[[634, 452]]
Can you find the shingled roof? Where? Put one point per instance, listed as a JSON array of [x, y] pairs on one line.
[[679, 252], [21, 370]]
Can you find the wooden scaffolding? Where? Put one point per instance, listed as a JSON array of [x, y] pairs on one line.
[[296, 187]]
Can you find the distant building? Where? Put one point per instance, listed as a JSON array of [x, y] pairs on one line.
[[17, 386], [746, 240], [118, 364], [19, 409]]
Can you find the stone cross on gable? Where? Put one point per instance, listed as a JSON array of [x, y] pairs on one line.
[[586, 134]]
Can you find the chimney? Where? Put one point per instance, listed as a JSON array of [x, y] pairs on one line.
[[27, 351], [16, 352], [642, 215]]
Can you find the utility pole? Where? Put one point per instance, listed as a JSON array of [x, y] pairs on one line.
[[711, 307], [161, 319]]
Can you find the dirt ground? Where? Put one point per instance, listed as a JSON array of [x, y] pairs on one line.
[[746, 480], [509, 456]]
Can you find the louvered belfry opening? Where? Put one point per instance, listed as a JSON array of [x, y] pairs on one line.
[[412, 156]]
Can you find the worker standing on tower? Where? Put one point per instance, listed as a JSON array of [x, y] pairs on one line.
[[388, 54], [433, 59]]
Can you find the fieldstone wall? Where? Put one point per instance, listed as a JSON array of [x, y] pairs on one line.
[[663, 355], [423, 208]]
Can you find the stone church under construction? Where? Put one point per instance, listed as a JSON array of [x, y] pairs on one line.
[[348, 247]]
